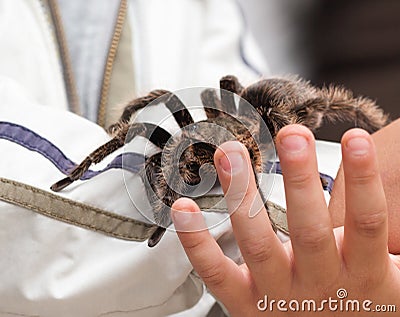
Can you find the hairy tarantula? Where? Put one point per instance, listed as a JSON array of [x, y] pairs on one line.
[[278, 101]]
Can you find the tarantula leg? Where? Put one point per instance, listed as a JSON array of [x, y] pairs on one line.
[[161, 196], [213, 106], [312, 111], [365, 112], [151, 176], [134, 106], [229, 86], [156, 237], [338, 105], [324, 182], [155, 134], [95, 157], [178, 110], [231, 83], [211, 103]]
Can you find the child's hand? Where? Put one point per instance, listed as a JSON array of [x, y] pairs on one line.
[[319, 265]]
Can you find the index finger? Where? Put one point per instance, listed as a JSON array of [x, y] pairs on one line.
[[224, 277], [309, 222]]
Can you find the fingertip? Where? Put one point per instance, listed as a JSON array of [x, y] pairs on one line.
[[234, 168], [294, 129], [228, 147], [187, 216], [357, 143], [353, 133], [294, 142], [184, 204], [230, 157]]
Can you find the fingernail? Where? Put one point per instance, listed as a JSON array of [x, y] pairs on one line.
[[181, 219], [232, 162], [293, 143], [358, 146]]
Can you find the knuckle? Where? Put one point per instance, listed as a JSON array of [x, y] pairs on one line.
[[213, 275], [364, 178], [369, 225], [366, 280], [298, 181], [257, 250], [314, 238], [241, 200], [236, 197], [192, 245]]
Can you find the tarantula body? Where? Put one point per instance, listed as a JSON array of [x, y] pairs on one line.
[[187, 159]]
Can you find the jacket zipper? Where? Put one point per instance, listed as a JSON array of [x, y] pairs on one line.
[[72, 94], [112, 52]]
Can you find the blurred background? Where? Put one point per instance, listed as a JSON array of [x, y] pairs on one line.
[[352, 43]]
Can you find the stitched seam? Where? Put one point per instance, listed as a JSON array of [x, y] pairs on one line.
[[32, 141], [97, 212], [72, 202], [73, 222]]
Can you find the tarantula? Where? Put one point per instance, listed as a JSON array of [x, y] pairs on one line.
[[278, 101]]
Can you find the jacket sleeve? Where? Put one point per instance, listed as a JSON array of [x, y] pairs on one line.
[[28, 53]]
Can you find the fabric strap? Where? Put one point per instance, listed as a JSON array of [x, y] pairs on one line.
[[217, 203], [96, 219], [73, 212]]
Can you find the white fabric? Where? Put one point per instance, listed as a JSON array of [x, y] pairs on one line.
[[49, 268], [185, 43], [28, 52], [176, 44]]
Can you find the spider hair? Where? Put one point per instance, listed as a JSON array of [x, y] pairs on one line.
[[278, 101]]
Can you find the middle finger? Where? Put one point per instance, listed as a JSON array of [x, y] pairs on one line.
[[309, 223]]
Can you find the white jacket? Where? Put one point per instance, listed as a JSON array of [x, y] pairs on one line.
[[53, 267], [175, 44]]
